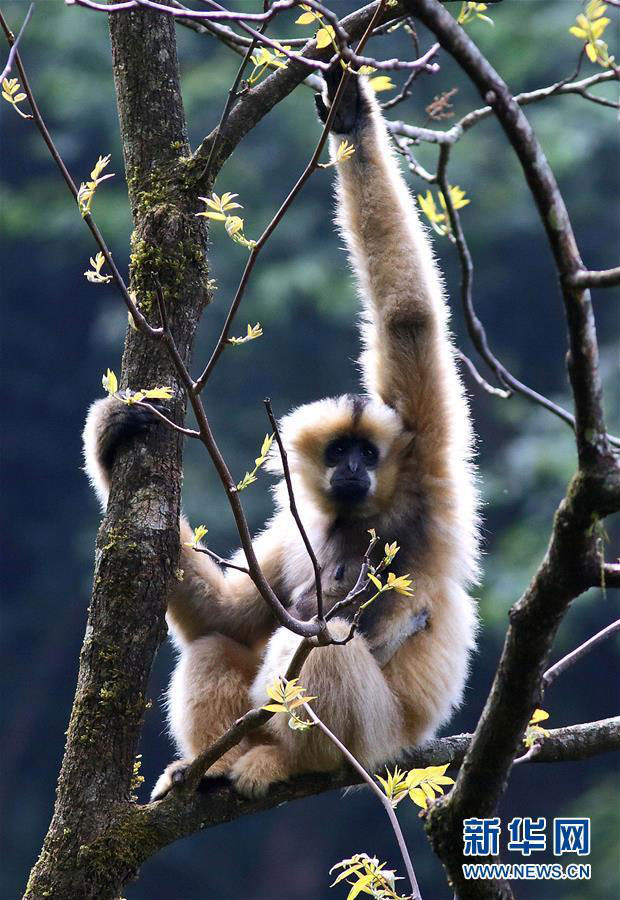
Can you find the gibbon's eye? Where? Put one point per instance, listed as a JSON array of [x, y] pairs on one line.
[[370, 454], [336, 451]]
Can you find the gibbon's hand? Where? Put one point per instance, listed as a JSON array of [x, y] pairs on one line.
[[353, 107], [124, 422]]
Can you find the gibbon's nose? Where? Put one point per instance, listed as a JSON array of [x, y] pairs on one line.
[[353, 464]]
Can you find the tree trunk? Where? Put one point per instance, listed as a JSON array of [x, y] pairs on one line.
[[138, 542]]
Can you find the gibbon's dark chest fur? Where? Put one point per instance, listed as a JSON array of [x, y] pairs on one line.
[[342, 560]]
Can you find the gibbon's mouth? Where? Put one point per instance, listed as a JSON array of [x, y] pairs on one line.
[[350, 491]]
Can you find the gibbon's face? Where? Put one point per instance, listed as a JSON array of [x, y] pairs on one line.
[[345, 454], [350, 460]]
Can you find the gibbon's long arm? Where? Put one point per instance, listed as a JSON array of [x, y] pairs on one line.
[[407, 360], [207, 599]]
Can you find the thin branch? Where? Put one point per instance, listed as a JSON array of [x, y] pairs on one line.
[[575, 655], [15, 42], [480, 381], [475, 327], [407, 88], [236, 42], [222, 342], [232, 97], [137, 315], [295, 512], [608, 576], [304, 629], [383, 799], [456, 132], [220, 560], [596, 279], [188, 432]]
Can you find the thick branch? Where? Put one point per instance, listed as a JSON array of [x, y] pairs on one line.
[[142, 830], [256, 103], [594, 491]]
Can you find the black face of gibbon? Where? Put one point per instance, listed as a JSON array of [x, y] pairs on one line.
[[350, 458]]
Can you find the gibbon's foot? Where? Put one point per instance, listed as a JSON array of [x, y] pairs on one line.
[[172, 774], [353, 107], [175, 774], [257, 770], [123, 423]]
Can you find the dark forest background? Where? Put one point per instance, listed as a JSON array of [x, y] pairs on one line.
[[60, 333]]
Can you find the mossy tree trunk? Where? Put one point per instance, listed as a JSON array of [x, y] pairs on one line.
[[138, 542]]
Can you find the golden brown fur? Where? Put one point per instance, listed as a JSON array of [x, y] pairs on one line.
[[394, 684]]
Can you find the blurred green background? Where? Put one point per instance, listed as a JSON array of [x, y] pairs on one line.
[[60, 333]]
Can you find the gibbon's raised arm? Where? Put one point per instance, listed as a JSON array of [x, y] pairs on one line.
[[407, 360]]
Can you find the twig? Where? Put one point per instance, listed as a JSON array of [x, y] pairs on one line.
[[220, 561], [406, 89], [456, 132], [188, 432], [137, 315], [256, 249], [480, 381], [295, 512], [304, 629], [242, 727], [13, 50], [596, 279], [235, 41], [474, 325], [384, 800], [575, 655], [531, 754], [242, 19], [232, 96]]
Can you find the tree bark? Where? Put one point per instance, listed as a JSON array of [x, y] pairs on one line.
[[138, 542]]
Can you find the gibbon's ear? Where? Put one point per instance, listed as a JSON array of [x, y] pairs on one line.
[[354, 107]]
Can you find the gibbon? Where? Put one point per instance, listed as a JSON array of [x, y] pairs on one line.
[[396, 458]]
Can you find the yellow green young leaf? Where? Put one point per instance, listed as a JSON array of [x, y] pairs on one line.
[[590, 28], [535, 732], [275, 707], [94, 275], [253, 332], [161, 393], [110, 382], [424, 784], [199, 532], [87, 189], [376, 581], [390, 552], [10, 89], [324, 37], [470, 10], [399, 583], [381, 83], [307, 18], [366, 70]]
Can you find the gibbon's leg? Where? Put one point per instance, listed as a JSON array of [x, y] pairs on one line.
[[353, 699], [207, 693]]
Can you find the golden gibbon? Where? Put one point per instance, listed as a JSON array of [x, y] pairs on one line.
[[396, 458]]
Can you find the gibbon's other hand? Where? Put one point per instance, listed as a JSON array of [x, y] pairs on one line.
[[124, 422], [353, 107]]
